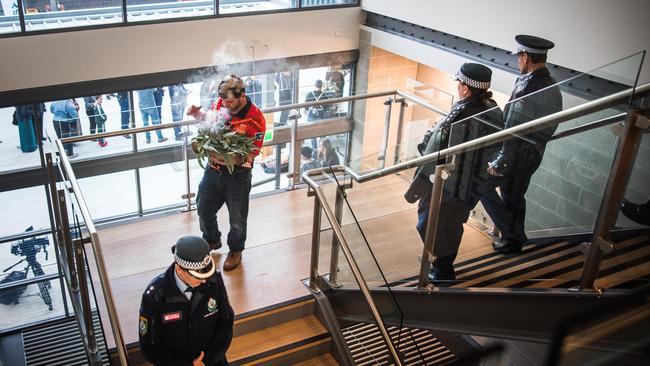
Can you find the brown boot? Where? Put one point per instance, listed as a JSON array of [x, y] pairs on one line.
[[232, 261]]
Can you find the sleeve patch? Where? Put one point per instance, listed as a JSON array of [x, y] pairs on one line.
[[143, 326]]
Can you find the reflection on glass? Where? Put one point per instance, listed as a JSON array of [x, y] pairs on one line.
[[244, 6], [139, 10], [31, 304], [45, 15]]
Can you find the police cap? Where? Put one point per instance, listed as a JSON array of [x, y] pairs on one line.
[[475, 75], [192, 253], [532, 44], [318, 83]]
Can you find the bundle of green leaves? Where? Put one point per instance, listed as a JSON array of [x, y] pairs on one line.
[[215, 138]]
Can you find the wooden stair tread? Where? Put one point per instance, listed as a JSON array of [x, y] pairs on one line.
[[324, 360], [275, 337]]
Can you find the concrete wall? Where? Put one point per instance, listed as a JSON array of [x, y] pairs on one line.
[[59, 58]]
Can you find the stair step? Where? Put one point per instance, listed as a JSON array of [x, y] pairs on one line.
[[296, 355], [276, 338], [416, 346], [323, 360], [273, 317]]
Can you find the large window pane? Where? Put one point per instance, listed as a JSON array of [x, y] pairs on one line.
[[22, 208], [243, 6], [110, 194], [309, 3], [146, 10], [52, 14], [9, 21], [18, 141]]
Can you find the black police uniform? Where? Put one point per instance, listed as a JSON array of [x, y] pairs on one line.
[[460, 192], [519, 158], [174, 330]]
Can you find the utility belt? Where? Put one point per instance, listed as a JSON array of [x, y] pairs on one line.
[[224, 169]]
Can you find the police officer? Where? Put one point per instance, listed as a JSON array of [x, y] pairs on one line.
[[519, 158], [185, 317], [460, 193]]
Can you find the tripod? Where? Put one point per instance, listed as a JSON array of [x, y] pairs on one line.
[[37, 270]]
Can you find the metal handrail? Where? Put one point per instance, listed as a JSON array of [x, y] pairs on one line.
[[298, 106], [522, 129], [98, 253], [356, 272]]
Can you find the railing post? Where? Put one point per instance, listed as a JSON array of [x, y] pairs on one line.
[[188, 189], [614, 192], [384, 144], [400, 123], [315, 246], [432, 224], [85, 298], [65, 233], [334, 258], [294, 157]]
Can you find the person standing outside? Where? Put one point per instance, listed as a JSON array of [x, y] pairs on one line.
[[185, 316], [460, 191], [218, 185], [65, 117], [534, 96], [178, 94], [149, 110]]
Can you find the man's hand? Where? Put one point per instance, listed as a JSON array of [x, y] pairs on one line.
[[493, 172], [196, 112], [198, 361]]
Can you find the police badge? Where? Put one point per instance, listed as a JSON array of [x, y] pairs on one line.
[[212, 305], [142, 325]]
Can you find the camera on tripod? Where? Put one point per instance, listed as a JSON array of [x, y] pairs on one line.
[[27, 247], [30, 246]]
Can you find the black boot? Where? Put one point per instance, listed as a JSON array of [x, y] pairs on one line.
[[507, 246], [639, 213]]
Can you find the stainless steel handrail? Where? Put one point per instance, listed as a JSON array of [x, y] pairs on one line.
[[356, 272], [522, 129], [99, 255], [264, 110]]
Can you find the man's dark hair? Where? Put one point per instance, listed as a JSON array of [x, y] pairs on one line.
[[537, 58]]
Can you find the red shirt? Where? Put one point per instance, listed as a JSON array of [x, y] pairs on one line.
[[248, 121]]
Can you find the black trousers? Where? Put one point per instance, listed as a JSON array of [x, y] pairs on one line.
[[454, 213], [66, 129]]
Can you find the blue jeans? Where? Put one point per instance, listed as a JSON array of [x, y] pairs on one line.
[[216, 188], [177, 115], [125, 114], [155, 120]]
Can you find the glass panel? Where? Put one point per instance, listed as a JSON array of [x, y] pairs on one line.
[[139, 10], [50, 14], [32, 206], [9, 20], [617, 335], [110, 195], [244, 6], [309, 3], [635, 211], [19, 144]]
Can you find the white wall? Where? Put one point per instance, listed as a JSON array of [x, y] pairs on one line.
[[33, 61], [587, 33]]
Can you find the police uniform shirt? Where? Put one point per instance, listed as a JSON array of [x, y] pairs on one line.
[[174, 330], [183, 287]]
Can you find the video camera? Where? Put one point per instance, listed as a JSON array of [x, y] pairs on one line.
[[30, 246]]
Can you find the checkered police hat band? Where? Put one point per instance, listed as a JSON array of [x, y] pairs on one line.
[[471, 82], [192, 265], [522, 48]]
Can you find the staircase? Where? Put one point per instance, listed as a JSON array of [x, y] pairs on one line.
[[60, 344], [553, 265], [415, 346]]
